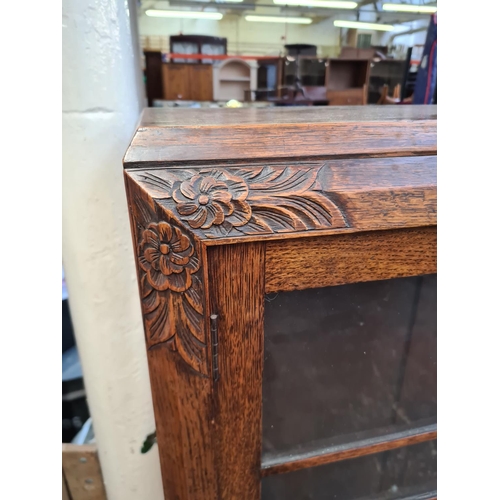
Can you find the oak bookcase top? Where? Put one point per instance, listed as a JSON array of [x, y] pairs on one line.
[[176, 136]]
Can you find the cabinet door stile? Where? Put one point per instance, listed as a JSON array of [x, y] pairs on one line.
[[176, 325], [237, 297]]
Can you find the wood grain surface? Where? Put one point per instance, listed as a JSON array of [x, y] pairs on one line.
[[225, 118], [237, 297], [171, 136], [82, 472], [184, 426], [65, 494], [337, 260]]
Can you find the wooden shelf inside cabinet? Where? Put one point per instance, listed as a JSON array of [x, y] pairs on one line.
[[287, 270]]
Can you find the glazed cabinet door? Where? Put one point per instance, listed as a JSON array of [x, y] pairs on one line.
[[326, 385], [350, 373]]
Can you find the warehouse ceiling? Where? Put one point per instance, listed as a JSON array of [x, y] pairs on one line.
[[268, 7]]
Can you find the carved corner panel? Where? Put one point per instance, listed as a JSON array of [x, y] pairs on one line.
[[221, 202], [173, 210], [170, 283]]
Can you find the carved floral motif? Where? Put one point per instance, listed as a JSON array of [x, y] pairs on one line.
[[214, 203], [212, 199], [166, 255], [172, 294], [259, 200]]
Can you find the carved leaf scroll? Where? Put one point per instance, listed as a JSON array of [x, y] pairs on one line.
[[172, 293], [230, 202]]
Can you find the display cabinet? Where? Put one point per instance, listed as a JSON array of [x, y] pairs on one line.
[[286, 261]]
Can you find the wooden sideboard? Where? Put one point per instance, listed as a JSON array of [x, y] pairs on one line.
[[187, 82], [287, 269]]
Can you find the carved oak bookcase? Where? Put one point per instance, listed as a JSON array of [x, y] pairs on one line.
[[287, 269]]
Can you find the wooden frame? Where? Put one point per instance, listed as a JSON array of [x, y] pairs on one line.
[[222, 192]]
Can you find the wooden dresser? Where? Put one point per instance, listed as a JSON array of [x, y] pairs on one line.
[[287, 268]]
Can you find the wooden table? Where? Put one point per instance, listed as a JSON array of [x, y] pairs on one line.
[[286, 261]]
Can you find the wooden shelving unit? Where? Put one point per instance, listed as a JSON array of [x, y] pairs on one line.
[[232, 79]]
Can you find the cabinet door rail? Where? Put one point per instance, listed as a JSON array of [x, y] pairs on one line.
[[289, 461]]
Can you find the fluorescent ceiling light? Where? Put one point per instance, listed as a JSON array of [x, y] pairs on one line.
[[363, 26], [276, 19], [402, 7], [186, 14], [327, 4]]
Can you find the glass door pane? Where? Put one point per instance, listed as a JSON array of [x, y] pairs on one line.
[[406, 473], [348, 362]]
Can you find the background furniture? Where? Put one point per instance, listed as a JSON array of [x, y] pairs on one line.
[[344, 81], [232, 77], [351, 53], [347, 81], [153, 76], [385, 72], [348, 97], [269, 77], [386, 99], [197, 44], [300, 49], [187, 82], [289, 303], [307, 70]]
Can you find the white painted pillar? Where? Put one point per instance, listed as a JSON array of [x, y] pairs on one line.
[[102, 99]]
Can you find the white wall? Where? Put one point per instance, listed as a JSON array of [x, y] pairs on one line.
[[246, 37], [407, 40], [102, 98], [268, 39]]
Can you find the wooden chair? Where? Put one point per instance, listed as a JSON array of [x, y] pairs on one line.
[[396, 96]]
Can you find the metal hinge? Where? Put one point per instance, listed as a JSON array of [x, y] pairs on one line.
[[215, 346]]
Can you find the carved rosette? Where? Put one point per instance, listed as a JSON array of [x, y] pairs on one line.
[[230, 202], [166, 256], [172, 296]]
